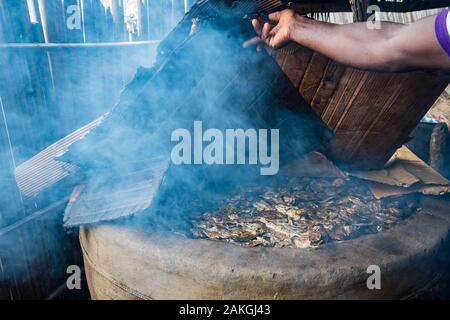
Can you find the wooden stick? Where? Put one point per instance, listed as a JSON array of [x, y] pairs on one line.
[[77, 45], [440, 149]]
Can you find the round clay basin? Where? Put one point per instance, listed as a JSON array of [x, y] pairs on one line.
[[123, 261]]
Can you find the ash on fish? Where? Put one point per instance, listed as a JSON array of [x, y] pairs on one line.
[[302, 213]]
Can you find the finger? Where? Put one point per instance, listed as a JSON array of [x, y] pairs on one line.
[[265, 31], [274, 31], [271, 42], [251, 42], [276, 42], [257, 26], [275, 16]]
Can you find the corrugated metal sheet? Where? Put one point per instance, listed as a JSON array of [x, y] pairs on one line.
[[108, 198], [43, 170], [105, 196]]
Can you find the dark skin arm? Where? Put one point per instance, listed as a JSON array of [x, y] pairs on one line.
[[394, 47]]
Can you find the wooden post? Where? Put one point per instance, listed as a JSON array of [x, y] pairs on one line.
[[118, 20], [440, 149], [43, 16], [32, 11], [139, 19]]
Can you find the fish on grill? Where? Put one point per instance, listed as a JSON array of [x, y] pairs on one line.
[[301, 213]]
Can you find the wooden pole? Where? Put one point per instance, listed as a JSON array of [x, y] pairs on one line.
[[440, 149], [76, 45], [32, 11], [83, 27], [117, 12], [41, 5], [139, 19]]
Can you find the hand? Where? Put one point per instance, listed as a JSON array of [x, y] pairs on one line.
[[275, 33]]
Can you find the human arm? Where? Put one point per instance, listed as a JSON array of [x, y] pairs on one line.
[[392, 47]]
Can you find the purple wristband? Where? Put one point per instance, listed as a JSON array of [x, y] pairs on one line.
[[442, 31]]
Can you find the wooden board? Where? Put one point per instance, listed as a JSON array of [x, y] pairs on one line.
[[371, 113]]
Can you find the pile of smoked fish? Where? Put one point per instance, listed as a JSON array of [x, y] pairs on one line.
[[302, 213]]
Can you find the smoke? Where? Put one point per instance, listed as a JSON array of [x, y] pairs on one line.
[[47, 93], [199, 72]]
